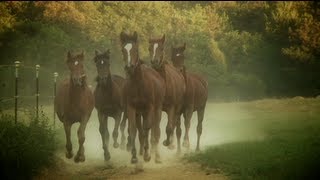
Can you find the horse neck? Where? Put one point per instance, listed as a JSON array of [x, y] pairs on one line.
[[107, 85]]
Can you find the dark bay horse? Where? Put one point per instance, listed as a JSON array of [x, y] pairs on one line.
[[195, 97], [175, 88], [74, 102], [145, 90], [109, 101]]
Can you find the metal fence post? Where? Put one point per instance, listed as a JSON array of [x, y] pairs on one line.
[[55, 75], [17, 63], [37, 90]]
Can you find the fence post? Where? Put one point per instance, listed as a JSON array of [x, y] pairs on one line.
[[55, 75], [17, 63], [37, 90]]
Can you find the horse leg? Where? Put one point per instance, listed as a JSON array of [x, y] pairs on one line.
[[122, 128], [140, 131], [187, 119], [132, 133], [178, 133], [81, 138], [67, 129], [115, 132], [147, 123], [169, 128], [200, 113], [157, 132], [104, 132]]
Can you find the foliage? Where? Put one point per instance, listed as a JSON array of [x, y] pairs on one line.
[[273, 41], [24, 149]]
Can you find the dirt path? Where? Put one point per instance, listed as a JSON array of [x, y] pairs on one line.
[[172, 168], [222, 124]]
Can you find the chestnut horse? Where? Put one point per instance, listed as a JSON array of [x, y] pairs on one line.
[[145, 90], [175, 88], [195, 97], [109, 101], [74, 102]]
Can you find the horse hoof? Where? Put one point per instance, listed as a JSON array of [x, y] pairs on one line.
[[69, 155], [107, 156], [186, 144], [165, 143], [171, 147], [115, 145], [147, 157], [134, 160], [79, 158], [158, 161]]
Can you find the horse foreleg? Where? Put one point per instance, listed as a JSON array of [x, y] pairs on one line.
[[81, 138], [104, 132], [140, 131], [157, 133], [122, 128], [148, 119], [199, 127], [169, 128], [132, 133], [115, 132], [187, 119], [178, 132], [67, 129]]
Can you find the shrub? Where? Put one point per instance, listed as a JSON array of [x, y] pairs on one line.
[[24, 149]]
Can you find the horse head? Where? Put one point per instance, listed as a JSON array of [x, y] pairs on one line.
[[75, 65], [177, 56], [156, 50], [102, 61], [130, 50]]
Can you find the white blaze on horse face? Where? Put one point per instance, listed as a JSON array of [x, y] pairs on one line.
[[178, 54], [155, 46], [76, 63], [102, 62], [128, 47]]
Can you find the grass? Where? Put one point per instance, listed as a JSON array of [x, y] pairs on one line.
[[25, 148], [290, 149]]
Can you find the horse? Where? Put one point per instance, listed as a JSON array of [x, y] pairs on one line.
[[74, 102], [175, 88], [109, 101], [195, 97], [145, 90]]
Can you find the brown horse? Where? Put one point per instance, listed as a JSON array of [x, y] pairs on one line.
[[109, 101], [195, 97], [74, 102], [145, 90], [175, 88]]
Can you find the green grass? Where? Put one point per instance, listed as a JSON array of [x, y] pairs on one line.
[[25, 148], [290, 149]]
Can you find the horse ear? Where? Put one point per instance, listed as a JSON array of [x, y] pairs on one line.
[[108, 52], [184, 46], [82, 55], [163, 38], [135, 36], [96, 52], [123, 37], [69, 54]]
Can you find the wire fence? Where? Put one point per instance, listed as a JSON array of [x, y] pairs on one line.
[[17, 98]]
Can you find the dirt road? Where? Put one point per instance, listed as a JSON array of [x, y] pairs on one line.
[[221, 125]]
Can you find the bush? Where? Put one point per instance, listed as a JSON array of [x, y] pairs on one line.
[[24, 149]]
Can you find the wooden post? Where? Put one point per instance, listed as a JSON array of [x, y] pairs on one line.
[[55, 75], [17, 63], [37, 90]]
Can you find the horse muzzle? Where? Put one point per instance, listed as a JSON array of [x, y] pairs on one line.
[[78, 80]]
